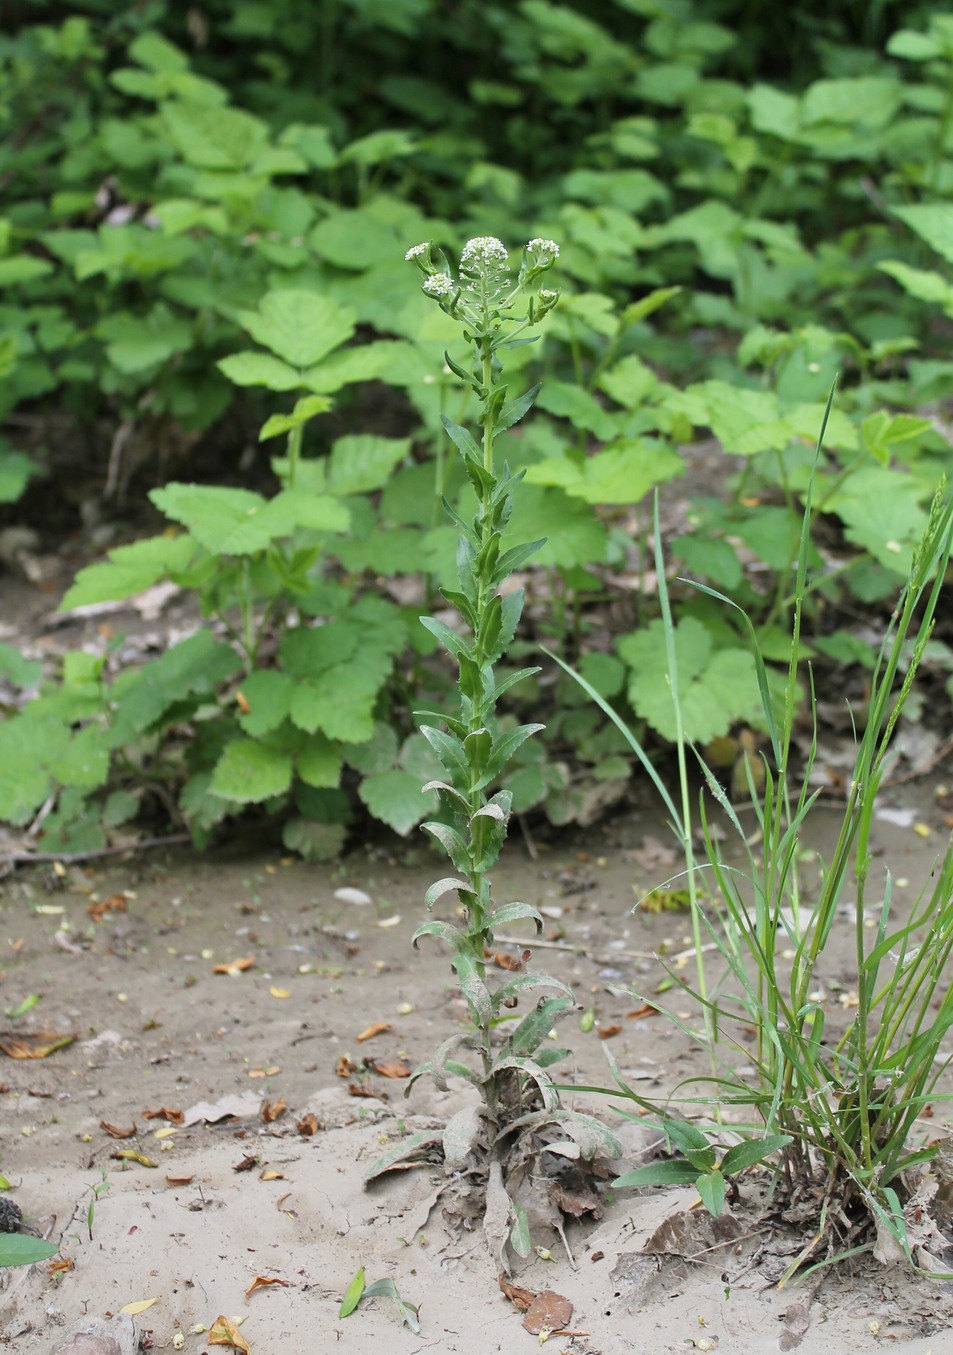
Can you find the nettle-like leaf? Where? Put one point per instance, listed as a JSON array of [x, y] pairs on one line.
[[231, 521], [129, 570], [623, 473], [394, 797], [359, 464], [249, 772], [214, 137], [716, 686], [931, 221], [299, 327]]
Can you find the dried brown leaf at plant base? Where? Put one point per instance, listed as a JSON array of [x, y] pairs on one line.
[[34, 1044]]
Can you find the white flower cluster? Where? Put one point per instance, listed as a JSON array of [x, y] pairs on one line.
[[438, 284], [483, 252], [547, 248], [547, 294], [417, 251]]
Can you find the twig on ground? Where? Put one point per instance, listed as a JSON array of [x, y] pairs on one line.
[[11, 859]]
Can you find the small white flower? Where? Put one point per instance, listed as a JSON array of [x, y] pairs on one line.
[[547, 294], [438, 284], [483, 252], [548, 247], [416, 251]]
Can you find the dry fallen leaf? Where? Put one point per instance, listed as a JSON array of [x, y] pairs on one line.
[[264, 1072], [642, 1012], [233, 967], [378, 1028], [116, 1132], [270, 1175], [173, 1116], [179, 1180], [270, 1111], [139, 1306], [246, 1164], [263, 1282], [242, 702], [390, 1067], [345, 1066], [548, 1312], [117, 903], [130, 1155], [61, 1266], [520, 1298], [607, 1032], [309, 1125], [279, 992], [354, 1090], [223, 1332], [35, 1044]]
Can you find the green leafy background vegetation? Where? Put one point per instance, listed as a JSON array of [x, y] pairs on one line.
[[203, 220]]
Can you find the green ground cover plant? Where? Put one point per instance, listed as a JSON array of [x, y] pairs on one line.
[[735, 229]]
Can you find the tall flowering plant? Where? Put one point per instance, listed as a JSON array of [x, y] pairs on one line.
[[503, 1053]]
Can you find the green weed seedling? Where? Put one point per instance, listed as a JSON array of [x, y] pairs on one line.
[[517, 1110], [357, 1291]]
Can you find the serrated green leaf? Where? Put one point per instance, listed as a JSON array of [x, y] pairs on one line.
[[299, 327], [260, 369], [362, 463], [266, 699], [318, 761], [394, 798], [249, 772], [313, 840], [213, 137], [129, 570]]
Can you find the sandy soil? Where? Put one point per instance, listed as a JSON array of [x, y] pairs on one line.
[[123, 955]]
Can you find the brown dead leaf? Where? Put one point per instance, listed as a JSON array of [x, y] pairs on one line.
[[272, 1071], [519, 1297], [607, 1032], [511, 962], [279, 1205], [235, 966], [345, 1066], [390, 1067], [61, 1266], [309, 1125], [378, 1028], [246, 1163], [354, 1090], [263, 1282], [242, 702], [117, 1133], [272, 1110], [576, 1202], [179, 1180], [642, 1012], [116, 903], [548, 1312], [34, 1044], [173, 1116], [270, 1175], [223, 1332]]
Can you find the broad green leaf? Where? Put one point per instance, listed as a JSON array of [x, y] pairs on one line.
[[386, 358], [260, 369], [569, 401], [265, 701], [135, 343], [299, 327], [362, 463], [745, 421], [925, 285], [129, 570], [213, 137], [249, 772], [868, 100], [932, 223], [379, 147], [27, 743], [624, 473], [881, 512], [314, 840], [407, 1312], [231, 521], [394, 798], [357, 240], [16, 1249], [22, 268], [716, 687], [629, 382], [338, 705], [84, 762], [318, 761], [18, 671]]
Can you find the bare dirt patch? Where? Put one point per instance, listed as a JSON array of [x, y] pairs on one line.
[[125, 956]]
